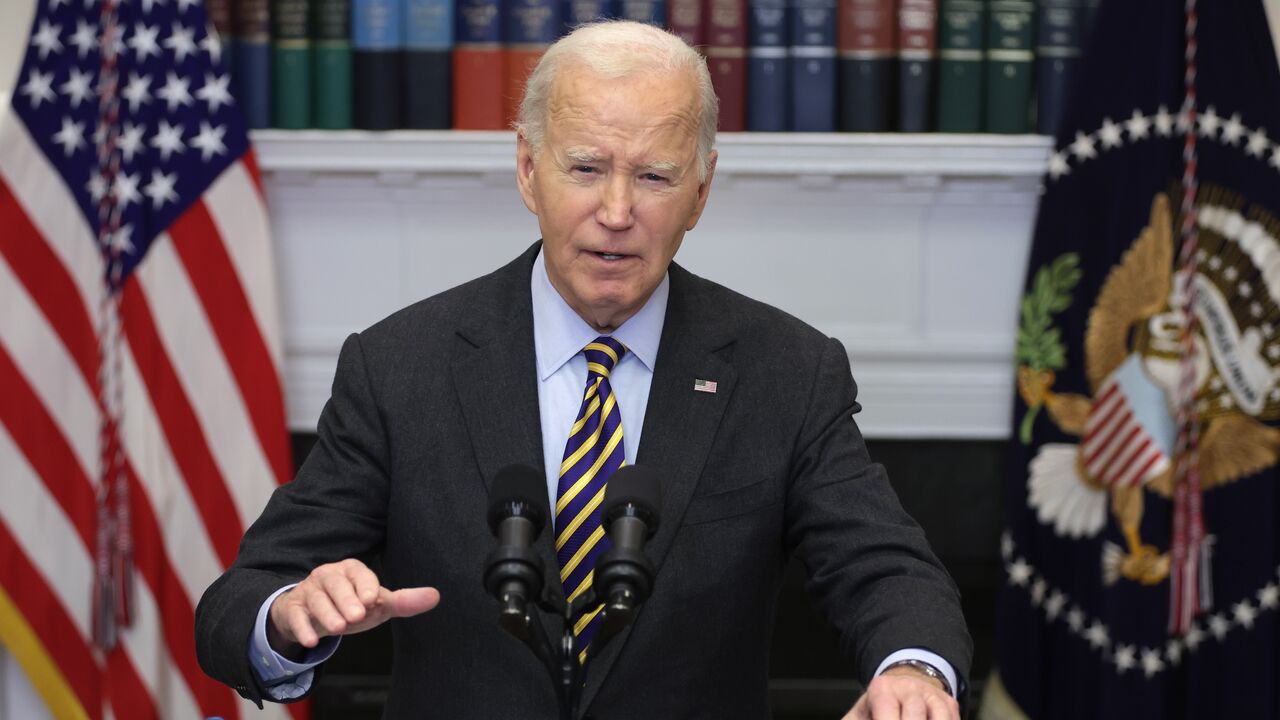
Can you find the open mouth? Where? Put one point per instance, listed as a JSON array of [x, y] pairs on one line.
[[610, 256]]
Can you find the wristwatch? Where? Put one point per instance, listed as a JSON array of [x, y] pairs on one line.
[[925, 668]]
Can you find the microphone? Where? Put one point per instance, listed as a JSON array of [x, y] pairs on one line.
[[624, 574], [513, 572]]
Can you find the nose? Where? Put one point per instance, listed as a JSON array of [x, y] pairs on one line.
[[616, 201]]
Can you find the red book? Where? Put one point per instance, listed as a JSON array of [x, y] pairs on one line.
[[478, 76], [530, 28], [685, 19], [727, 59]]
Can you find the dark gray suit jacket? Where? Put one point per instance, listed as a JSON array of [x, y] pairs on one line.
[[429, 403]]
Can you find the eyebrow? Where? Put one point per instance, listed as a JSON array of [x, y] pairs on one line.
[[579, 155]]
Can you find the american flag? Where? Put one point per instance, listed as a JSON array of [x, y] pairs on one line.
[[142, 418]]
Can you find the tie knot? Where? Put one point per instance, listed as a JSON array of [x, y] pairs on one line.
[[603, 354]]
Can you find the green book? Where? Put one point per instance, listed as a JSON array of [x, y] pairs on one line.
[[331, 63], [961, 26], [1010, 65], [291, 63]]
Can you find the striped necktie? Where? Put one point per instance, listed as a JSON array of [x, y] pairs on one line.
[[593, 453]]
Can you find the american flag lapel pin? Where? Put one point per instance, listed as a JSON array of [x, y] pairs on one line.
[[706, 386]]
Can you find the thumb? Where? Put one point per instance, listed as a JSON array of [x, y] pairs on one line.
[[408, 602]]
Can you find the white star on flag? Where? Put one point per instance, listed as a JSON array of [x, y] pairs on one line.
[[1244, 614], [160, 189], [1233, 130], [1125, 658], [1151, 662], [76, 88], [1173, 651], [1019, 572], [46, 39], [125, 189], [215, 91], [138, 91], [209, 140], [212, 45], [121, 240], [1138, 126], [96, 186], [38, 88], [1058, 165], [168, 139], [1097, 635], [175, 91], [1053, 606], [1257, 144], [144, 42], [1219, 625], [147, 5], [84, 39], [1075, 619], [1083, 147], [1110, 134], [131, 140], [1209, 122], [1193, 638], [182, 41], [1164, 122], [70, 137], [1269, 596]]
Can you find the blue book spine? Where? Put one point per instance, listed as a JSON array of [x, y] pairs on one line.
[[428, 64], [813, 65], [581, 12], [1057, 55], [377, 36], [768, 71], [653, 12]]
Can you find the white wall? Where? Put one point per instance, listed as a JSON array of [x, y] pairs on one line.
[[15, 26]]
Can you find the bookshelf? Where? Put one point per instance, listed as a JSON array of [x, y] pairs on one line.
[[910, 249]]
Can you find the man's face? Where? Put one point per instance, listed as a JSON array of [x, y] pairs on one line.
[[615, 187]]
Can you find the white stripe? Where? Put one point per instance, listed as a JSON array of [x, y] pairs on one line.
[[1125, 459], [1096, 415], [1122, 427], [241, 218], [52, 209], [144, 642], [206, 379]]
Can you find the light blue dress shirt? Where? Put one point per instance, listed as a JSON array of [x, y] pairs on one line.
[[559, 334]]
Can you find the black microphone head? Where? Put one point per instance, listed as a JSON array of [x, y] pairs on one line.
[[632, 490], [518, 490]]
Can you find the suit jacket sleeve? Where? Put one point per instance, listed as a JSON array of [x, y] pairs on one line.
[[869, 564], [334, 509]]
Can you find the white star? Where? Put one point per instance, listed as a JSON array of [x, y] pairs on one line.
[[1110, 134], [1124, 658], [1038, 589], [1215, 262], [125, 189], [131, 140], [175, 91], [1233, 130], [1173, 651], [1269, 597], [1193, 638], [70, 137], [1275, 157], [1244, 613], [1151, 662], [1138, 126], [1244, 290], [182, 41], [138, 90], [144, 42], [38, 88], [212, 45], [215, 91], [1083, 146], [168, 140], [160, 189], [113, 37], [1075, 619], [76, 88], [1231, 273], [1257, 144], [120, 241], [1097, 635], [46, 39], [1006, 545], [1058, 165], [85, 38], [1053, 606], [1019, 572], [1219, 625], [96, 186], [210, 141], [1164, 122], [1209, 122]]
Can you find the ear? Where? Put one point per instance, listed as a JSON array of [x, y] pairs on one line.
[[524, 173], [704, 190]]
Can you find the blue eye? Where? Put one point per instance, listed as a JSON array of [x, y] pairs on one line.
[[654, 177]]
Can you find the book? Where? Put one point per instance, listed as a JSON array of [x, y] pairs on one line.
[[580, 12], [686, 21], [291, 63], [1010, 64], [866, 41], [961, 28], [331, 63], [917, 51], [727, 60], [530, 28], [768, 69], [813, 65], [478, 74], [652, 12], [428, 64], [251, 77], [1059, 32], [220, 17], [377, 36]]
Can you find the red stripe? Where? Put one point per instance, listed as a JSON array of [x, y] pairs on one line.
[[1104, 407], [56, 630], [250, 160], [49, 284], [179, 424], [1104, 443], [213, 275], [300, 710], [1133, 456], [1105, 472], [129, 698], [1142, 471]]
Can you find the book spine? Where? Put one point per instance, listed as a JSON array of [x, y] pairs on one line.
[[428, 64], [221, 17], [1010, 63], [727, 60], [331, 63], [813, 65], [866, 41], [531, 26], [252, 74], [1058, 54], [291, 63], [652, 12], [581, 12], [478, 81], [377, 38], [960, 42], [917, 58], [686, 21], [768, 73]]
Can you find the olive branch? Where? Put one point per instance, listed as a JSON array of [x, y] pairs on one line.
[[1040, 345]]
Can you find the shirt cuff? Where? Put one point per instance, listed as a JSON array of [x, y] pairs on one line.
[[924, 656], [282, 678]]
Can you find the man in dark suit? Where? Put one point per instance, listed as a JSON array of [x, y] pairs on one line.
[[745, 413]]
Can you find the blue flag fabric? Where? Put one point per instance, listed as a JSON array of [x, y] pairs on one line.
[[1084, 625]]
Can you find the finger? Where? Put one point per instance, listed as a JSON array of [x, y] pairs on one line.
[[298, 621], [323, 614], [364, 580], [884, 706], [410, 601], [861, 710], [914, 708], [942, 707], [342, 594]]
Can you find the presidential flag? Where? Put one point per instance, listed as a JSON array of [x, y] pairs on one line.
[[142, 421], [1141, 554]]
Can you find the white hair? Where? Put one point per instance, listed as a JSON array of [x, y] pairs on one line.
[[614, 49]]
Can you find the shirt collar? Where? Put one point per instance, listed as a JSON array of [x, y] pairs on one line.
[[559, 333]]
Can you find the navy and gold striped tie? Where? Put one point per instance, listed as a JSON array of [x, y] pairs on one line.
[[593, 453]]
